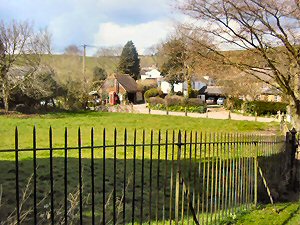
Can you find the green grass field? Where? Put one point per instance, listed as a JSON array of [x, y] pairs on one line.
[[110, 121], [99, 121]]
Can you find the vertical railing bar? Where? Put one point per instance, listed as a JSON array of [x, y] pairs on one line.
[[221, 178], [204, 183], [17, 175], [195, 193], [124, 177], [226, 150], [157, 178], [93, 176], [230, 188], [239, 170], [34, 177], [134, 177], [236, 182], [51, 175], [189, 179], [197, 179], [172, 179], [151, 161], [80, 174], [207, 181], [66, 177], [243, 188], [182, 176], [200, 188], [115, 178], [255, 170], [219, 190], [103, 177], [166, 175], [142, 185], [178, 179], [212, 180], [216, 178], [222, 175]]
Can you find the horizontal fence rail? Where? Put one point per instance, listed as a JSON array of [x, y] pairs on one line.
[[123, 177]]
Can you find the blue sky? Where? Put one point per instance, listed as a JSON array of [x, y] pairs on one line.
[[95, 22]]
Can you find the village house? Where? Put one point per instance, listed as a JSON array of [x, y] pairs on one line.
[[120, 88]]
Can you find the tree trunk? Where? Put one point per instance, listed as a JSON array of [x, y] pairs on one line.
[[5, 97], [295, 113]]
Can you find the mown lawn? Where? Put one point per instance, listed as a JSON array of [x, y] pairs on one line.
[[110, 121], [287, 214]]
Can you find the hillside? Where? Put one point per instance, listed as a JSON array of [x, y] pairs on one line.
[[71, 66]]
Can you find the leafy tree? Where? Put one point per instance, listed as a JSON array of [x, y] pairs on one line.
[[267, 31], [172, 68], [129, 61], [73, 50], [41, 86], [99, 74]]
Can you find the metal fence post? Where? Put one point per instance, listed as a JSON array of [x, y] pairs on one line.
[[293, 155], [255, 172]]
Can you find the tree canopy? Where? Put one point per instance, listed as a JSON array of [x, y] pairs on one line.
[[267, 31], [129, 61]]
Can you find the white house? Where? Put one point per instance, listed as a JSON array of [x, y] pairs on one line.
[[151, 74], [197, 84]]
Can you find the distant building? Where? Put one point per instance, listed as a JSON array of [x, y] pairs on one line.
[[119, 87], [197, 84], [150, 73]]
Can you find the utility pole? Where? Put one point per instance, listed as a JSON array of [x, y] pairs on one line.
[[83, 61]]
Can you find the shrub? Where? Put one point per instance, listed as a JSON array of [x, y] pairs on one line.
[[264, 108], [156, 100], [153, 92], [174, 100], [234, 103], [194, 102]]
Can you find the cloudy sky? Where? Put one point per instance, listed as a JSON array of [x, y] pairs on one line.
[[95, 22]]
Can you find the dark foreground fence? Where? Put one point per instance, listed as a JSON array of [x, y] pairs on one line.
[[121, 177]]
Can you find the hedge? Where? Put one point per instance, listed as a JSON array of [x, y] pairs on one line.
[[264, 108], [177, 103], [153, 92]]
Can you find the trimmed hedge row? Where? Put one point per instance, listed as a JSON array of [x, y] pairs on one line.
[[177, 103], [264, 108], [178, 108]]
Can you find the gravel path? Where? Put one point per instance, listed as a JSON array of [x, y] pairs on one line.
[[220, 114]]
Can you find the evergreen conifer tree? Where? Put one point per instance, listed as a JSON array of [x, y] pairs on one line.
[[129, 61]]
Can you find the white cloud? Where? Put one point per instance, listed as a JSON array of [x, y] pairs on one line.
[[143, 35]]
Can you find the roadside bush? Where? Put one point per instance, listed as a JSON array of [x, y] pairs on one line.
[[156, 100], [233, 103], [153, 92], [264, 108], [193, 102], [174, 100]]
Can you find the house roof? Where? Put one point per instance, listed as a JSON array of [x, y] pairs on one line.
[[214, 90], [127, 82]]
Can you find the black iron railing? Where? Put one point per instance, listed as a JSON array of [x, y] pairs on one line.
[[164, 177]]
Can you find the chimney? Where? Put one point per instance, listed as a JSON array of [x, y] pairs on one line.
[[116, 86]]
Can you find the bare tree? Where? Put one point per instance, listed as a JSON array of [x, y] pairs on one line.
[[20, 54], [267, 31], [73, 50]]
